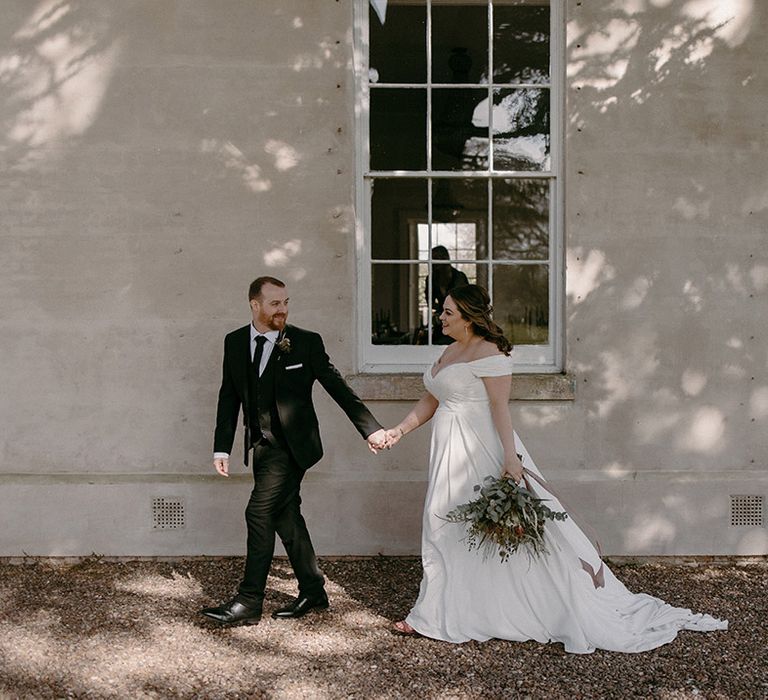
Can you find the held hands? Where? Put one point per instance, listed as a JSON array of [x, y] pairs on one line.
[[393, 436], [384, 439], [377, 441]]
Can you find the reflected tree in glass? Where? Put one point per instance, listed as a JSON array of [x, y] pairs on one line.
[[521, 219], [521, 129], [459, 129], [521, 302], [520, 44]]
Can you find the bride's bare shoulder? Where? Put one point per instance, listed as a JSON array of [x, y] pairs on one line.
[[487, 349]]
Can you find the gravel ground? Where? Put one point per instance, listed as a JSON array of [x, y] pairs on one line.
[[130, 630]]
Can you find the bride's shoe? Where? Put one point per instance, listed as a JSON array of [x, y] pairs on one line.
[[402, 627]]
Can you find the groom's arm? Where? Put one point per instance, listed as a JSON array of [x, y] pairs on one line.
[[227, 411], [339, 390]]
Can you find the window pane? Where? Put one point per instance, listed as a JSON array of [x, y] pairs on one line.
[[397, 208], [454, 241], [460, 129], [521, 302], [520, 219], [398, 129], [397, 318], [460, 211], [399, 47], [446, 276], [521, 129], [520, 44], [459, 43]]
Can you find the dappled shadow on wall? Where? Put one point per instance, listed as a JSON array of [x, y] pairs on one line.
[[55, 69], [98, 95], [665, 266]]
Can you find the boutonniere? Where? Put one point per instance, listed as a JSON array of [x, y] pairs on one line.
[[284, 345]]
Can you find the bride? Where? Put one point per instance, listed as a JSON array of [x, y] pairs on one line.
[[566, 596]]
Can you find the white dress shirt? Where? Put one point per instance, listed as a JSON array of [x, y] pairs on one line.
[[271, 337]]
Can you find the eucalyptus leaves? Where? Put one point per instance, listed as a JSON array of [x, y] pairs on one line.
[[503, 517]]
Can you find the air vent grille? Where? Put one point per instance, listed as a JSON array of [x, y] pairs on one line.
[[167, 513], [747, 511]]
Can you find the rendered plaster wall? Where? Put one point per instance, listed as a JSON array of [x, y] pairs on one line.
[[667, 271], [157, 156]]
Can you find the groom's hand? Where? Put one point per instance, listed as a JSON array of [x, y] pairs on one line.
[[221, 465]]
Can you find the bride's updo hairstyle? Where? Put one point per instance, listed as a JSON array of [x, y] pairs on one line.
[[474, 305]]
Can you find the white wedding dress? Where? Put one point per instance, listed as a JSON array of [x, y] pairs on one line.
[[465, 595]]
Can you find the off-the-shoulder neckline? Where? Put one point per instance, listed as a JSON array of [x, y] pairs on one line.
[[465, 362]]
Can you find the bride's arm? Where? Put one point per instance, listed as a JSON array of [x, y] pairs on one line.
[[498, 389], [423, 410]]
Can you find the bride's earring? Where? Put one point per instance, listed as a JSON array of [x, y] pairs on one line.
[[466, 331]]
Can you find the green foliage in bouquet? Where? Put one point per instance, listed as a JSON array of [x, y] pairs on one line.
[[504, 517]]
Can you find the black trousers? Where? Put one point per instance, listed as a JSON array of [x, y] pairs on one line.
[[274, 507]]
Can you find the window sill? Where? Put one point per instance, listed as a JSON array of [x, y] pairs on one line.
[[409, 387]]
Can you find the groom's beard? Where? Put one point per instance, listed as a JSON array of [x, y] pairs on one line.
[[277, 322]]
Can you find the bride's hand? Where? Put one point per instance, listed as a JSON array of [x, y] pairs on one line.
[[393, 436], [513, 468]]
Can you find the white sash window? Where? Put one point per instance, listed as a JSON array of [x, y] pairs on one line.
[[460, 119]]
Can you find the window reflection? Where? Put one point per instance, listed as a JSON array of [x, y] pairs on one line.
[[520, 219], [404, 36], [459, 43], [407, 298], [395, 305], [433, 230], [459, 129], [398, 129], [521, 129], [520, 44], [394, 203], [521, 302]]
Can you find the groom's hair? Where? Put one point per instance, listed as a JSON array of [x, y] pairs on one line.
[[254, 291]]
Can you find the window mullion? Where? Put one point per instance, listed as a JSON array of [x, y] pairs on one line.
[[430, 276], [489, 17], [490, 148], [489, 234], [456, 86], [464, 174], [429, 85], [557, 219]]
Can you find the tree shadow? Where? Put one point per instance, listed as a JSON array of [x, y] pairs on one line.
[[133, 138], [104, 629], [664, 268]]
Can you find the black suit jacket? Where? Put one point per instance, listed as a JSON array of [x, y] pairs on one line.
[[308, 361]]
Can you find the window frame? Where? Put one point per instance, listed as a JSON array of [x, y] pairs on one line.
[[414, 358]]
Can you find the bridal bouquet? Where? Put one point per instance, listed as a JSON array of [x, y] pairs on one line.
[[503, 517]]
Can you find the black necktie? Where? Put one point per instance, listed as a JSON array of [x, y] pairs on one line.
[[260, 340]]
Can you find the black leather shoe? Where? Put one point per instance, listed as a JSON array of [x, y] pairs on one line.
[[233, 613], [301, 606]]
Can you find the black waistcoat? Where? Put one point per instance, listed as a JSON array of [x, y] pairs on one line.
[[264, 420]]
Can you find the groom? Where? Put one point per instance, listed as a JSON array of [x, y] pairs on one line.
[[269, 370]]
